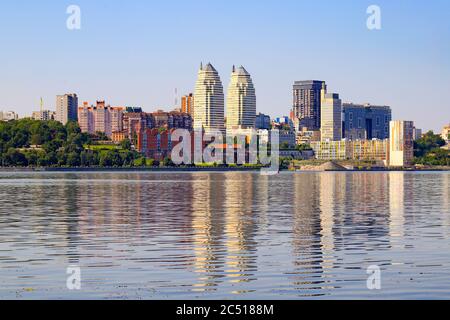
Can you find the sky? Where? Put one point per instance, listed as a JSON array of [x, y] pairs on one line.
[[136, 52]]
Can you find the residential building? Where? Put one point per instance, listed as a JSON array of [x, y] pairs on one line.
[[366, 121], [8, 116], [307, 104], [187, 104], [331, 150], [262, 122], [417, 133], [209, 104], [288, 138], [331, 117], [369, 150], [44, 115], [66, 108], [401, 143], [241, 101], [100, 118], [446, 133]]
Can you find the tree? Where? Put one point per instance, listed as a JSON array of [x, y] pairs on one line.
[[428, 142], [126, 144], [73, 159], [15, 158]]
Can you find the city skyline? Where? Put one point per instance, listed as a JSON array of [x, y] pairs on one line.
[[133, 56]]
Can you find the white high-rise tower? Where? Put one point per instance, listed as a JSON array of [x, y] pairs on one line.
[[209, 100], [241, 101]]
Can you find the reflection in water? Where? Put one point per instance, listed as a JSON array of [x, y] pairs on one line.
[[397, 207], [224, 235]]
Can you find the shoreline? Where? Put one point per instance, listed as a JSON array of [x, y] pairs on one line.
[[212, 169]]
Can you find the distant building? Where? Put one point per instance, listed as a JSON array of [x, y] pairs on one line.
[[307, 104], [262, 122], [331, 117], [369, 150], [67, 108], [446, 133], [361, 150], [283, 123], [100, 118], [209, 104], [417, 134], [241, 101], [8, 116], [401, 145], [366, 121], [44, 115], [308, 136], [187, 104], [331, 150], [288, 138]]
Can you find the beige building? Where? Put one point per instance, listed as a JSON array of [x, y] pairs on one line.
[[209, 104], [8, 116], [401, 143], [446, 133], [241, 101], [331, 117], [331, 150], [44, 115], [361, 150]]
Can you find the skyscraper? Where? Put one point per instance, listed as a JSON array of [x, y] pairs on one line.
[[307, 104], [331, 117], [241, 101], [209, 102], [401, 144], [66, 108]]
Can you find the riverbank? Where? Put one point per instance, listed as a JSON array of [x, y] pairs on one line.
[[222, 169], [135, 169]]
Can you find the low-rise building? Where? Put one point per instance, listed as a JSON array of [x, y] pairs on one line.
[[44, 115], [8, 116], [358, 150], [446, 133]]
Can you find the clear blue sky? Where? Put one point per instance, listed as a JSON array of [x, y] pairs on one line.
[[137, 52]]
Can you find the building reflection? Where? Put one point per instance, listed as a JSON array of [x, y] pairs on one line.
[[207, 231], [397, 208], [240, 227], [308, 256]]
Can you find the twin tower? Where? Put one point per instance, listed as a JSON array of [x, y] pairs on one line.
[[209, 101]]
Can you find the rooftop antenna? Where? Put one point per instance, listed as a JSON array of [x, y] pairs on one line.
[[176, 97]]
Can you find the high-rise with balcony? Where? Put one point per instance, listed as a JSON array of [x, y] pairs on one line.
[[209, 104], [66, 108], [241, 101], [307, 104]]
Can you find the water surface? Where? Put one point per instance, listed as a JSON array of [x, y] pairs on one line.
[[224, 235]]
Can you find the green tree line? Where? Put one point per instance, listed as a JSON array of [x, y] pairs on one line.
[[428, 150], [30, 143]]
